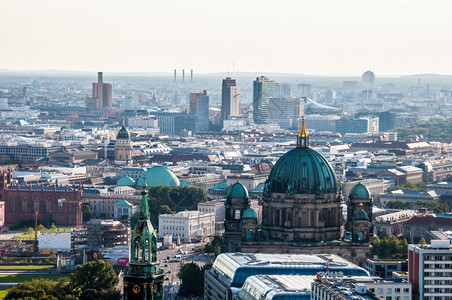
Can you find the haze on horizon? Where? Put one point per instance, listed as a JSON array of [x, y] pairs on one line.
[[328, 37]]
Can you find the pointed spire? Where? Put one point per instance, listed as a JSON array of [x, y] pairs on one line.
[[303, 137], [144, 208]]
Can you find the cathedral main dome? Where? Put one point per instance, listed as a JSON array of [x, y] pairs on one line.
[[302, 171]]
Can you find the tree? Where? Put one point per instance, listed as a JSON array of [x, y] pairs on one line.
[[42, 289], [87, 212], [53, 228], [215, 246], [390, 247], [192, 280], [94, 280]]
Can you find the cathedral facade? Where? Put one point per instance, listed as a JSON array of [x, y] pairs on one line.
[[301, 211]]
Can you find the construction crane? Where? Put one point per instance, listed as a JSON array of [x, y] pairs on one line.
[[78, 214]]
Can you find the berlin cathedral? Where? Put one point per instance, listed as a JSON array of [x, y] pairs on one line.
[[301, 211]]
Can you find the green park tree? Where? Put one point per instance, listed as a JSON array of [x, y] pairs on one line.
[[192, 280], [94, 280], [42, 289], [87, 212]]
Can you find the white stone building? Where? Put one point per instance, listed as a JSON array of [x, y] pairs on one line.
[[187, 225]]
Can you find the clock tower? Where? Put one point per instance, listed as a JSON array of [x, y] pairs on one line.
[[144, 280]]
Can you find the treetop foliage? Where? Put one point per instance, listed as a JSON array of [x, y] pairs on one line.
[[434, 128], [436, 207]]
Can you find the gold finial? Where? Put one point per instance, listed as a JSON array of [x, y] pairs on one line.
[[303, 132]]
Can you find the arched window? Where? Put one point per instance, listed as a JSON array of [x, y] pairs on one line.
[[48, 205], [237, 214], [24, 205], [36, 204], [146, 251], [12, 205], [136, 250]]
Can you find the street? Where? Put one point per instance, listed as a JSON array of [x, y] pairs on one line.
[[172, 266]]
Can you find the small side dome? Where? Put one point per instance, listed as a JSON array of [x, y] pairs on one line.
[[359, 191], [126, 181], [360, 215], [237, 190], [249, 214], [123, 134], [158, 175]]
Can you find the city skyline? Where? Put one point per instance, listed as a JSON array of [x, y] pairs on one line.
[[329, 38]]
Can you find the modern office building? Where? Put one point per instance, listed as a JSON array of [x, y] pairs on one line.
[[322, 122], [340, 288], [285, 111], [230, 270], [102, 94], [199, 107], [263, 90], [368, 80], [368, 124], [230, 99], [282, 90], [175, 123], [430, 270]]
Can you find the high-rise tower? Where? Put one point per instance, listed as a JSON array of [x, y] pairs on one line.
[[144, 280], [230, 100], [102, 94], [199, 106], [263, 90]]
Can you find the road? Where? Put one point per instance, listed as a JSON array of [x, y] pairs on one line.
[[172, 266]]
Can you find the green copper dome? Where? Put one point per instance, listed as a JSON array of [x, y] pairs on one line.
[[302, 171], [237, 190], [158, 175], [359, 191], [123, 133], [126, 181], [360, 215], [249, 214]]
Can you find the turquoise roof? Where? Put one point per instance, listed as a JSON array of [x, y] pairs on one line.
[[259, 188], [126, 181], [123, 133], [237, 190], [123, 203], [302, 171], [360, 215], [359, 191], [184, 183], [158, 175], [249, 214], [222, 186]]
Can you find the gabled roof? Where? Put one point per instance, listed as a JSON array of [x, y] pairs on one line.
[[427, 219]]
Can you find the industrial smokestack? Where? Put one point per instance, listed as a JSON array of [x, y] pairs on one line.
[[183, 75], [174, 75], [191, 75]]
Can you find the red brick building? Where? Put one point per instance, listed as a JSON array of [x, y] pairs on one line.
[[61, 205]]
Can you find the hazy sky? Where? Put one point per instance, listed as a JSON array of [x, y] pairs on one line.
[[325, 37]]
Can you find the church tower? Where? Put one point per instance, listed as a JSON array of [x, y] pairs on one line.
[[144, 280], [359, 226], [123, 147], [237, 202]]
